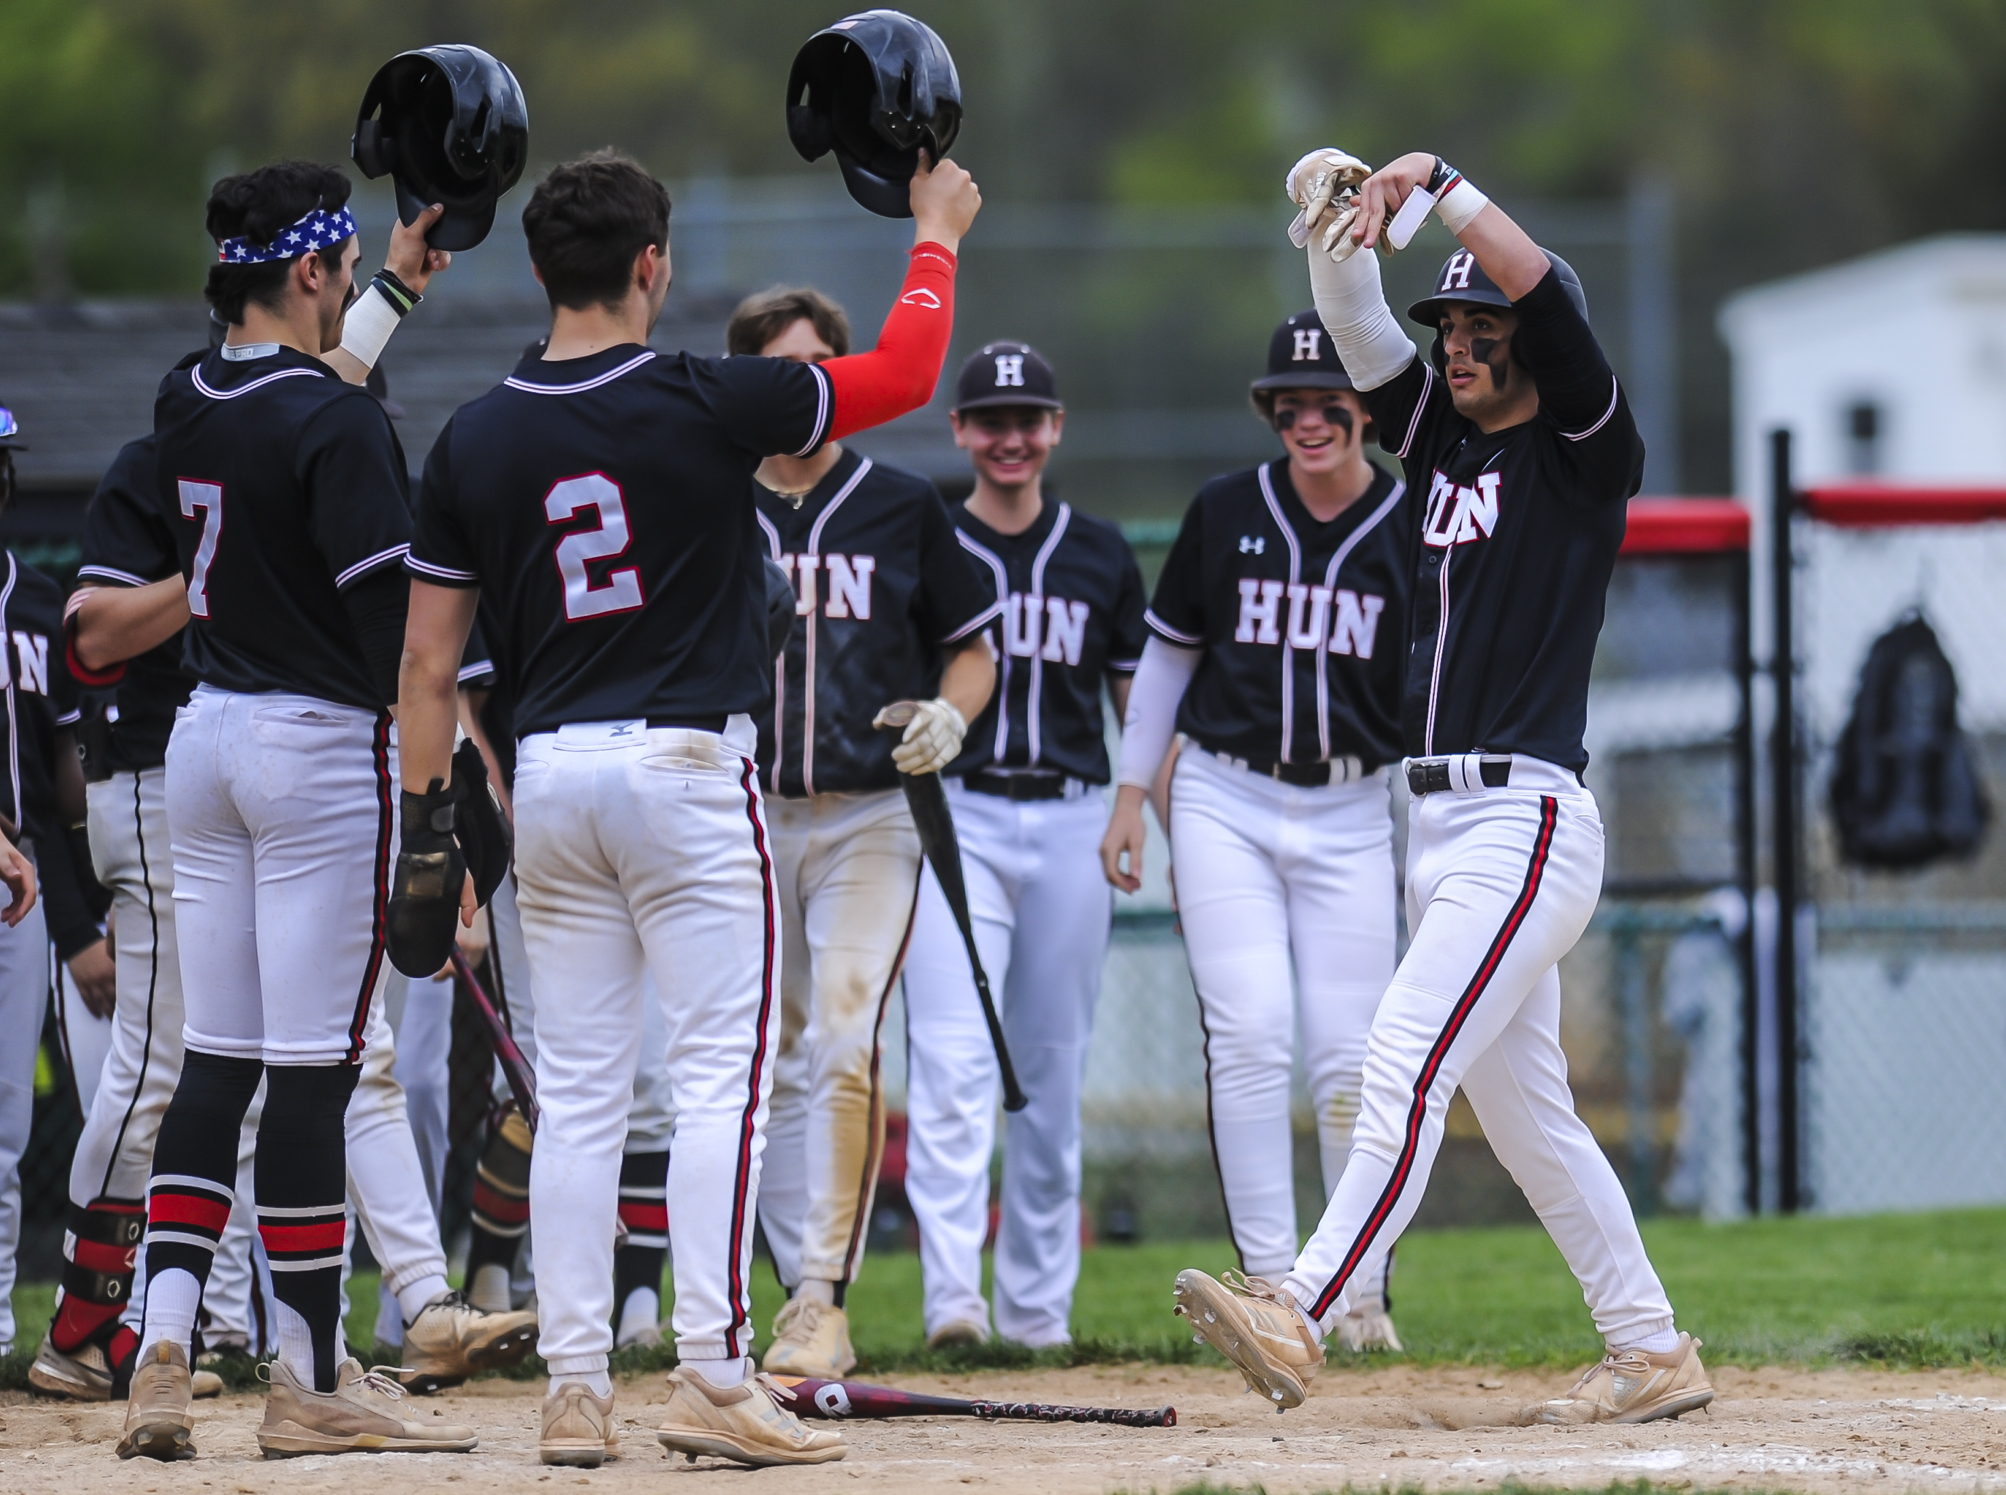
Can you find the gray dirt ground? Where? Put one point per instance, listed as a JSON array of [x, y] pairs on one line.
[[1441, 1429]]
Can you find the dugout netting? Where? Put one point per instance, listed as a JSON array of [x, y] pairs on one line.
[[1890, 1052]]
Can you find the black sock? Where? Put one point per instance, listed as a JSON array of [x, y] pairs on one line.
[[644, 1210], [195, 1163], [501, 1194], [302, 1181]]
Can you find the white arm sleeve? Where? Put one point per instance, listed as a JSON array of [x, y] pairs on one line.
[[1160, 683], [1369, 340]]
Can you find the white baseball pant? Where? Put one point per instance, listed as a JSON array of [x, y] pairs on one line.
[[1042, 912], [24, 1002], [86, 1036], [637, 850], [1500, 884], [848, 867], [1275, 881]]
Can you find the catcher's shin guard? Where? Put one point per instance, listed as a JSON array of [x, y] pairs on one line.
[[501, 1193], [97, 1276]]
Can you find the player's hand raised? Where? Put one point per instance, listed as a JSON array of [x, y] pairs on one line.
[[945, 201], [1382, 194], [410, 259]]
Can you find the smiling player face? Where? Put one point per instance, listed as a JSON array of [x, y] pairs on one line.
[[1320, 427], [1009, 445]]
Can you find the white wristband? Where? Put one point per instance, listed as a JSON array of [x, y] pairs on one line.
[[1459, 205], [368, 326]]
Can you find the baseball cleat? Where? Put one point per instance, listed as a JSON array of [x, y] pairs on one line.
[[810, 1338], [578, 1429], [83, 1375], [1632, 1386], [955, 1333], [1368, 1327], [363, 1414], [450, 1340], [157, 1425], [205, 1384], [741, 1423], [1255, 1326]]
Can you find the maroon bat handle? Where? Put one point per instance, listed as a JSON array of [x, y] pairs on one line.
[[521, 1078], [838, 1401]]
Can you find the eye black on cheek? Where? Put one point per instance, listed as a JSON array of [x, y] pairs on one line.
[[1285, 420]]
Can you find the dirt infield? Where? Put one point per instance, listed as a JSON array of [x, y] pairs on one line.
[[1402, 1428]]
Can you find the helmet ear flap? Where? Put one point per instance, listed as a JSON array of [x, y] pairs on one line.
[[811, 132], [1438, 356]]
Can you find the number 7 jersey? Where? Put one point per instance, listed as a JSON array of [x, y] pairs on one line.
[[605, 507]]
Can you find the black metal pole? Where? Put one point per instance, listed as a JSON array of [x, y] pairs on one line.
[[1784, 760], [1745, 770]]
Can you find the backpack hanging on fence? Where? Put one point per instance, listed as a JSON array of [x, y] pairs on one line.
[[1905, 789]]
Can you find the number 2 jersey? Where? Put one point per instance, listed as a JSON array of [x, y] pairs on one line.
[[283, 486], [604, 506], [1303, 623], [881, 593], [1518, 539]]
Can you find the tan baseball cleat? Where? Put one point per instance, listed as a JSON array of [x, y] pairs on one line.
[[157, 1424], [1632, 1386], [578, 1429], [451, 1340], [810, 1338], [1252, 1324], [83, 1375], [956, 1333], [363, 1414], [742, 1423], [1366, 1327]]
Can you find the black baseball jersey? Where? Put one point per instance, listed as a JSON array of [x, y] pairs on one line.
[[881, 589], [1519, 534], [127, 543], [281, 484], [604, 506], [1303, 624], [1072, 610]]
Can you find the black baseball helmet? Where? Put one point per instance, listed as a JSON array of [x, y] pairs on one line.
[[1302, 356], [876, 88], [1463, 279], [449, 125]]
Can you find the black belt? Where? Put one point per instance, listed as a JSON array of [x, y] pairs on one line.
[[1431, 775], [1017, 786], [689, 723], [1301, 775]]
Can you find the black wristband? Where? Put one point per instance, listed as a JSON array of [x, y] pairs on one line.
[[400, 296], [1442, 178]]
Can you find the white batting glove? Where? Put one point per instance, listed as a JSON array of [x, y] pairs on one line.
[[1324, 184], [932, 738]]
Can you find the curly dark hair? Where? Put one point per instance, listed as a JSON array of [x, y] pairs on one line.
[[258, 205], [585, 223]]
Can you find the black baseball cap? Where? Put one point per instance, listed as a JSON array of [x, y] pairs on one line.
[[1006, 374], [1302, 356]]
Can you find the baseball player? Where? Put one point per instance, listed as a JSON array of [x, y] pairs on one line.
[[1277, 623], [603, 493], [1520, 437], [41, 706], [889, 609], [1028, 815], [284, 488]]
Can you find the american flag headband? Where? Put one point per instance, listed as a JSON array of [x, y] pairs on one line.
[[320, 229]]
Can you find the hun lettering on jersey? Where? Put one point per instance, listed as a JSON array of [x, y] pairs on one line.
[[1461, 514], [1318, 617], [1053, 629], [838, 585]]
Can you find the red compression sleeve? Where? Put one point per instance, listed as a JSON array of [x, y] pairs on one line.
[[900, 372]]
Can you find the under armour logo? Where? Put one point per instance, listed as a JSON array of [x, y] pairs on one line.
[[1456, 274], [1253, 544], [1009, 370], [1307, 339], [920, 296]]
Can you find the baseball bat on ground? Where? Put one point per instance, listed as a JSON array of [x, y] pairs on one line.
[[927, 800], [521, 1078], [836, 1401]]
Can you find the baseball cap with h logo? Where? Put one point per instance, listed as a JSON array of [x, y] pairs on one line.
[[1006, 373], [1302, 356]]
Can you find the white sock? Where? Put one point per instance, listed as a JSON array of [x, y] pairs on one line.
[[412, 1300], [172, 1299], [598, 1382], [643, 1308], [296, 1346], [723, 1374], [816, 1291], [1661, 1343]]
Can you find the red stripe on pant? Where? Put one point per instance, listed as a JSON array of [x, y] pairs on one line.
[[1410, 1145], [742, 1185], [164, 1207], [653, 1218], [324, 1236], [380, 912]]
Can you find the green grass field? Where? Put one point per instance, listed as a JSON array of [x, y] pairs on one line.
[[1904, 1290]]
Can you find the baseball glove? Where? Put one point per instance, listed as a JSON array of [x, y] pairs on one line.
[[1324, 184], [425, 887], [482, 829]]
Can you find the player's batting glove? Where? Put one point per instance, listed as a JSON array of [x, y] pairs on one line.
[[425, 891], [1324, 184], [932, 738]]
